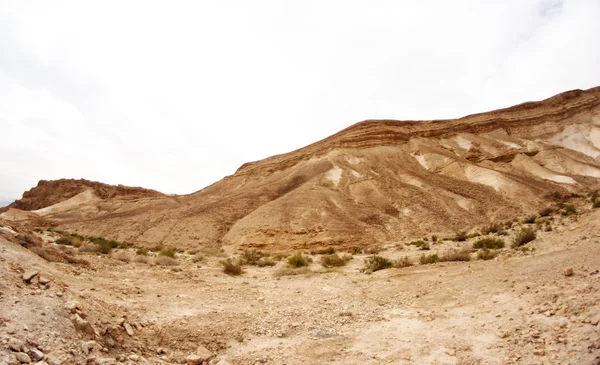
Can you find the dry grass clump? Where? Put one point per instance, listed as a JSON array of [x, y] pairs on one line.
[[530, 219], [402, 262], [324, 251], [168, 252], [335, 260], [489, 243], [121, 256], [486, 254], [29, 240], [92, 247], [463, 255], [375, 263], [198, 258], [232, 268], [165, 261], [64, 241], [256, 258], [373, 250], [429, 259], [141, 259], [523, 237], [287, 271], [298, 260]]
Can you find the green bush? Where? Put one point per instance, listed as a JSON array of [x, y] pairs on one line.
[[524, 236], [429, 259], [64, 241], [142, 251], [486, 254], [335, 260], [375, 263], [489, 243], [297, 260]]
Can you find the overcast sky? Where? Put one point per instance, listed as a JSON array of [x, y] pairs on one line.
[[175, 95]]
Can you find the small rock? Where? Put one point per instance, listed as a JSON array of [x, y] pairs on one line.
[[23, 358], [15, 344], [203, 353], [193, 360], [72, 306], [56, 358], [568, 271], [134, 357], [37, 354], [44, 280], [161, 351], [223, 362], [128, 328], [539, 352], [595, 320], [41, 363], [83, 326], [89, 346], [28, 275]]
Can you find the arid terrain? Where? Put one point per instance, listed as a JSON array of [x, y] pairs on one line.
[[467, 241]]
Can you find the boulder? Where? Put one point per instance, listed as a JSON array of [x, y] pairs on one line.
[[29, 275], [23, 358]]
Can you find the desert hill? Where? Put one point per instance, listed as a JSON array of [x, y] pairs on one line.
[[375, 182]]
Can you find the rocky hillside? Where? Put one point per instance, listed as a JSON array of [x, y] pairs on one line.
[[375, 182], [48, 193]]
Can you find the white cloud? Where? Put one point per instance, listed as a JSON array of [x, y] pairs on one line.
[[175, 96]]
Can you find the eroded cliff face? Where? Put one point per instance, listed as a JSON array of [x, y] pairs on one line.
[[375, 182]]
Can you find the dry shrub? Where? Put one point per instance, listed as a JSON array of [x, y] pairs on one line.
[[486, 254], [373, 250], [335, 260], [489, 243], [325, 251], [355, 250], [252, 257], [64, 241], [461, 236], [51, 254], [232, 268], [29, 240], [429, 259], [456, 256], [121, 256], [143, 251], [297, 260], [524, 236], [165, 261], [545, 212], [491, 228], [264, 262], [197, 258], [168, 252], [90, 248], [287, 271], [375, 263], [530, 219], [141, 259], [402, 262]]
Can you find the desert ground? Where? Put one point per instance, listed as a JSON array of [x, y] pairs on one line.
[[535, 304]]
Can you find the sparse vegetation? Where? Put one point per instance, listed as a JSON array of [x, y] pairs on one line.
[[297, 260], [355, 250], [434, 238], [568, 209], [326, 251], [121, 256], [335, 260], [402, 262], [594, 199], [142, 259], [287, 271], [429, 259], [523, 237], [168, 252], [422, 245], [530, 219], [486, 254], [375, 263], [545, 212], [197, 258], [251, 257], [489, 243]]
